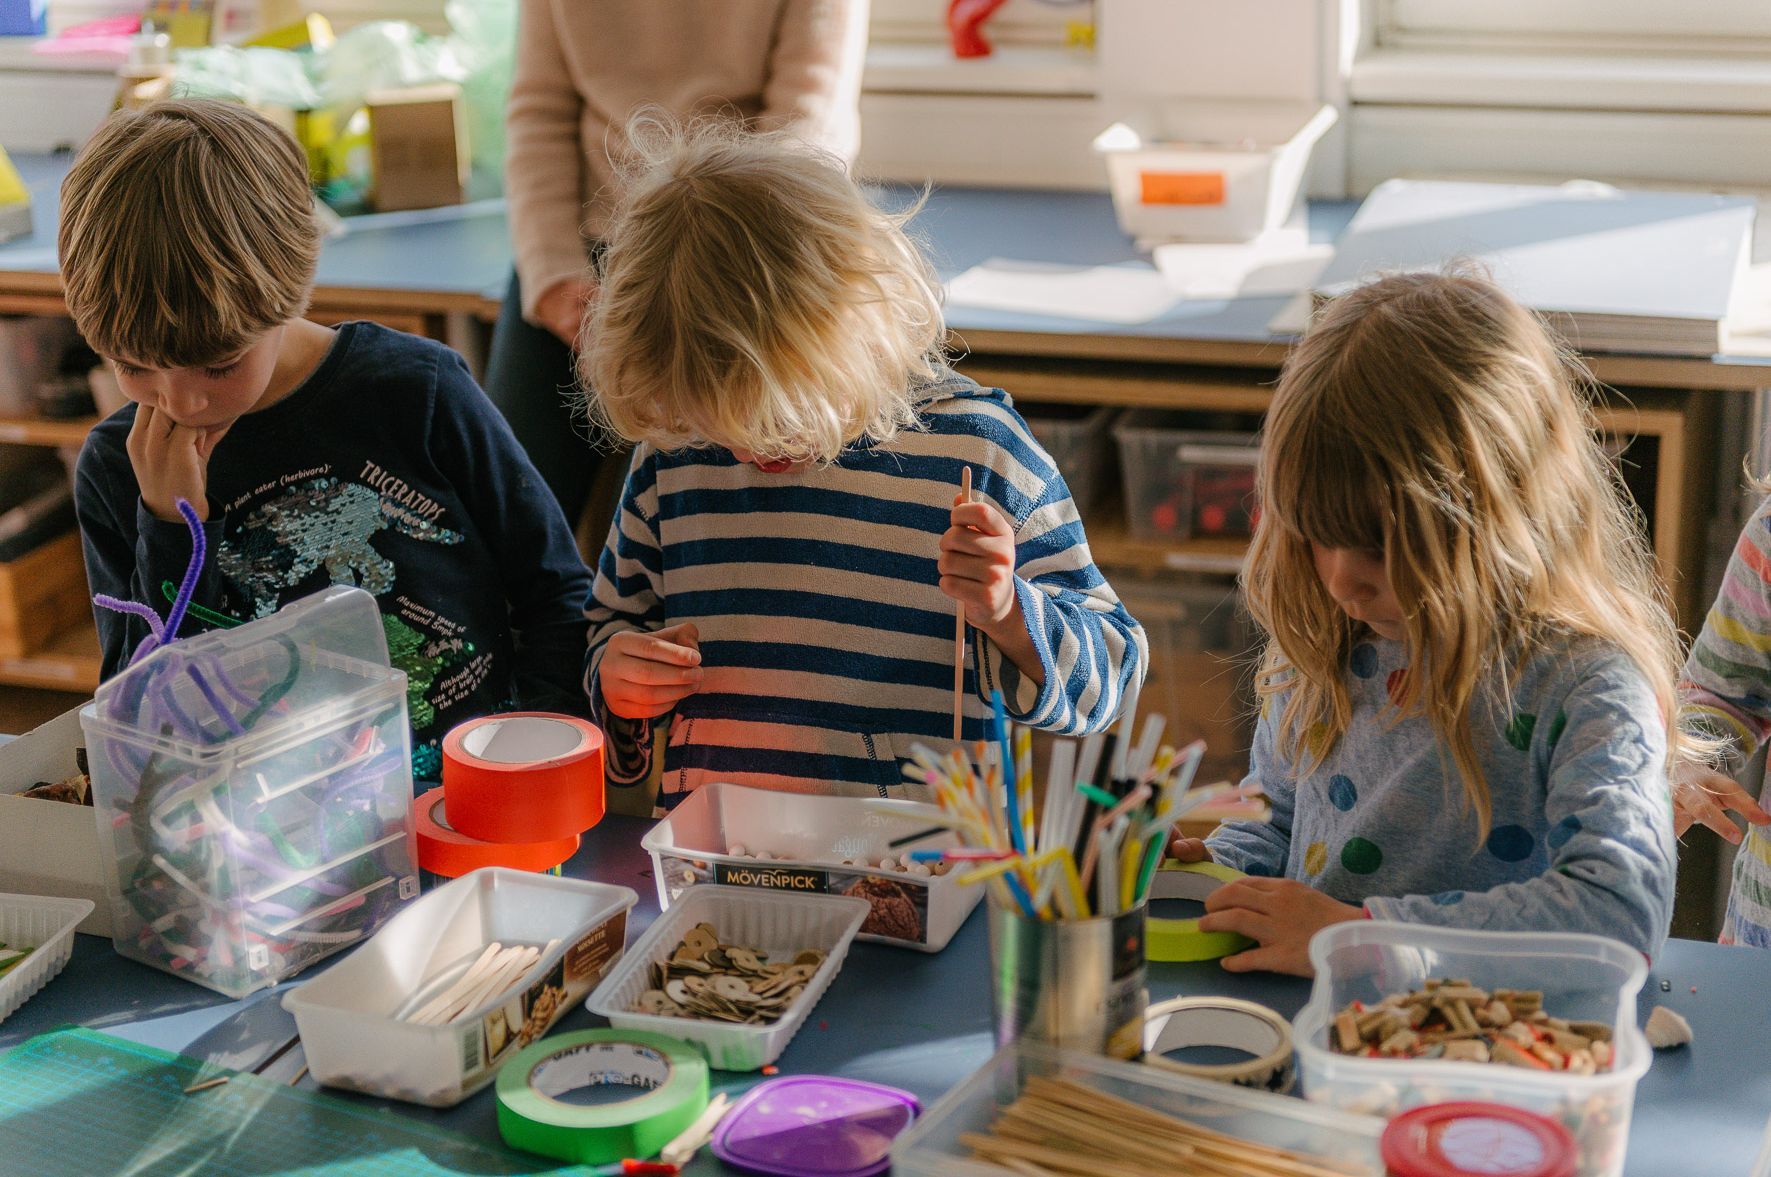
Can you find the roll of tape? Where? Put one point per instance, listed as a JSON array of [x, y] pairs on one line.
[[445, 850], [532, 1115], [1226, 1022], [523, 777], [1172, 941]]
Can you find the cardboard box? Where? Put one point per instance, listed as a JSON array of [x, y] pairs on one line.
[[42, 594], [417, 148], [49, 847]]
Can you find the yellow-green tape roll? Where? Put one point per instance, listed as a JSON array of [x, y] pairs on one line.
[[532, 1117], [1175, 941]]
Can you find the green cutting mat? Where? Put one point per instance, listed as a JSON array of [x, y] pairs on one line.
[[80, 1102]]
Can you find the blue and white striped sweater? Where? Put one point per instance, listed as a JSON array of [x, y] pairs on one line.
[[827, 644]]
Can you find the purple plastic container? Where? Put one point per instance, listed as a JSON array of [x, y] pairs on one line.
[[815, 1126]]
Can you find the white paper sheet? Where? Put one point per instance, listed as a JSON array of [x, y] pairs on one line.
[[1126, 294]]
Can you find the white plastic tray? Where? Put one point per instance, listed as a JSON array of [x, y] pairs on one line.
[[44, 925], [776, 923], [346, 1014], [809, 838]]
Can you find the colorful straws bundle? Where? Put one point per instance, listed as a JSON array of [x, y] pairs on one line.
[[1094, 848]]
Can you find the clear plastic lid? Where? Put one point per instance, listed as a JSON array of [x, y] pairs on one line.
[[259, 680]]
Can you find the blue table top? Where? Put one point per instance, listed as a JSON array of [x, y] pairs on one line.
[[921, 1022]]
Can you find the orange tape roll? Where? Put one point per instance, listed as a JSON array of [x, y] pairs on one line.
[[444, 850], [524, 777]]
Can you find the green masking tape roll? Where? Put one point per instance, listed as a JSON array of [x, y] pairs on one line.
[[532, 1117], [1173, 941]]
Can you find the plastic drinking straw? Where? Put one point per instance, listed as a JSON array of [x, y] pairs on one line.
[[1024, 787]]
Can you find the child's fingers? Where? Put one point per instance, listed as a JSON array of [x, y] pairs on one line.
[[978, 568], [1263, 960], [981, 517], [683, 633], [1728, 793], [1188, 850], [964, 541], [1251, 894], [1702, 808], [1241, 920], [649, 647], [649, 693], [657, 674]]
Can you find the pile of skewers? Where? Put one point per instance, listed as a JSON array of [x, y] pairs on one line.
[[1094, 846]]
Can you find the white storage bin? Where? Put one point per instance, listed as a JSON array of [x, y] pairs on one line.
[[777, 924], [1195, 171], [253, 793], [932, 1148], [347, 1014], [809, 838], [1584, 978], [46, 926]]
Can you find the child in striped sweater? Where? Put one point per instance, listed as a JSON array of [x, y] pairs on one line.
[[780, 581], [1726, 695]]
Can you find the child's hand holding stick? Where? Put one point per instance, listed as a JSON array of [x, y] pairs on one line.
[[645, 675]]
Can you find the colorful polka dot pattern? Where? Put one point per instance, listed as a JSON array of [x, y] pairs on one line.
[[1396, 684], [1341, 793], [1361, 857], [1318, 740], [1364, 660], [1447, 898], [1315, 858], [1557, 726], [1564, 832], [1510, 843], [1520, 730]]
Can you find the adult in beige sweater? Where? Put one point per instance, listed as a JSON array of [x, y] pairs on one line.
[[582, 67]]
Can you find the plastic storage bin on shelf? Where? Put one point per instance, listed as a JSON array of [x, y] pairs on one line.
[[1080, 441], [777, 925], [1177, 175], [46, 927], [932, 1148], [253, 791], [1583, 978], [1183, 482], [349, 1016], [1201, 645], [815, 844]]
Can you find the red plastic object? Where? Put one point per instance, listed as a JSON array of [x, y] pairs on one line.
[[965, 26], [1476, 1140]]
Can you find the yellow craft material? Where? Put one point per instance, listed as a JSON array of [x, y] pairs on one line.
[[15, 202], [312, 31]]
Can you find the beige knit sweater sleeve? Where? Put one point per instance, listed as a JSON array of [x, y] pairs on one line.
[[582, 67]]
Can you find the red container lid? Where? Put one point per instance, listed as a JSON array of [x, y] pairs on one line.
[[1477, 1140]]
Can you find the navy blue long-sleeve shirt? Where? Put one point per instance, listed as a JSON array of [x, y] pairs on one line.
[[387, 469]]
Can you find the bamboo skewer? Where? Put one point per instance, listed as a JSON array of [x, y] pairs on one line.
[[965, 496]]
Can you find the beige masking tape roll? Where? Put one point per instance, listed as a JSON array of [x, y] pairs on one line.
[[1172, 941], [1226, 1022]]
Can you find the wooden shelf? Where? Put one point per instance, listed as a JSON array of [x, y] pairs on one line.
[[41, 431], [70, 662], [1113, 546]]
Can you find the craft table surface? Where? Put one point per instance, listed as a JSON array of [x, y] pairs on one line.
[[922, 1022]]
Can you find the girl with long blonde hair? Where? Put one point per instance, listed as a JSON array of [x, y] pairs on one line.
[[1468, 688]]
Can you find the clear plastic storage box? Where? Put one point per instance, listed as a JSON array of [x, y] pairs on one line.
[[1080, 440], [932, 1146], [1201, 650], [44, 926], [1183, 482], [1583, 978], [253, 791]]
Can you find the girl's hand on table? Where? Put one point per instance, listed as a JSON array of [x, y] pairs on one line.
[[1280, 915], [644, 675]]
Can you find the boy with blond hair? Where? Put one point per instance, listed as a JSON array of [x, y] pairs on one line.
[[314, 455]]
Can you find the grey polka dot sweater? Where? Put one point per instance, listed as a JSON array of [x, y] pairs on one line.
[[1581, 838]]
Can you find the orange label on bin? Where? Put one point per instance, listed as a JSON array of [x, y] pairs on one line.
[[1181, 187]]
